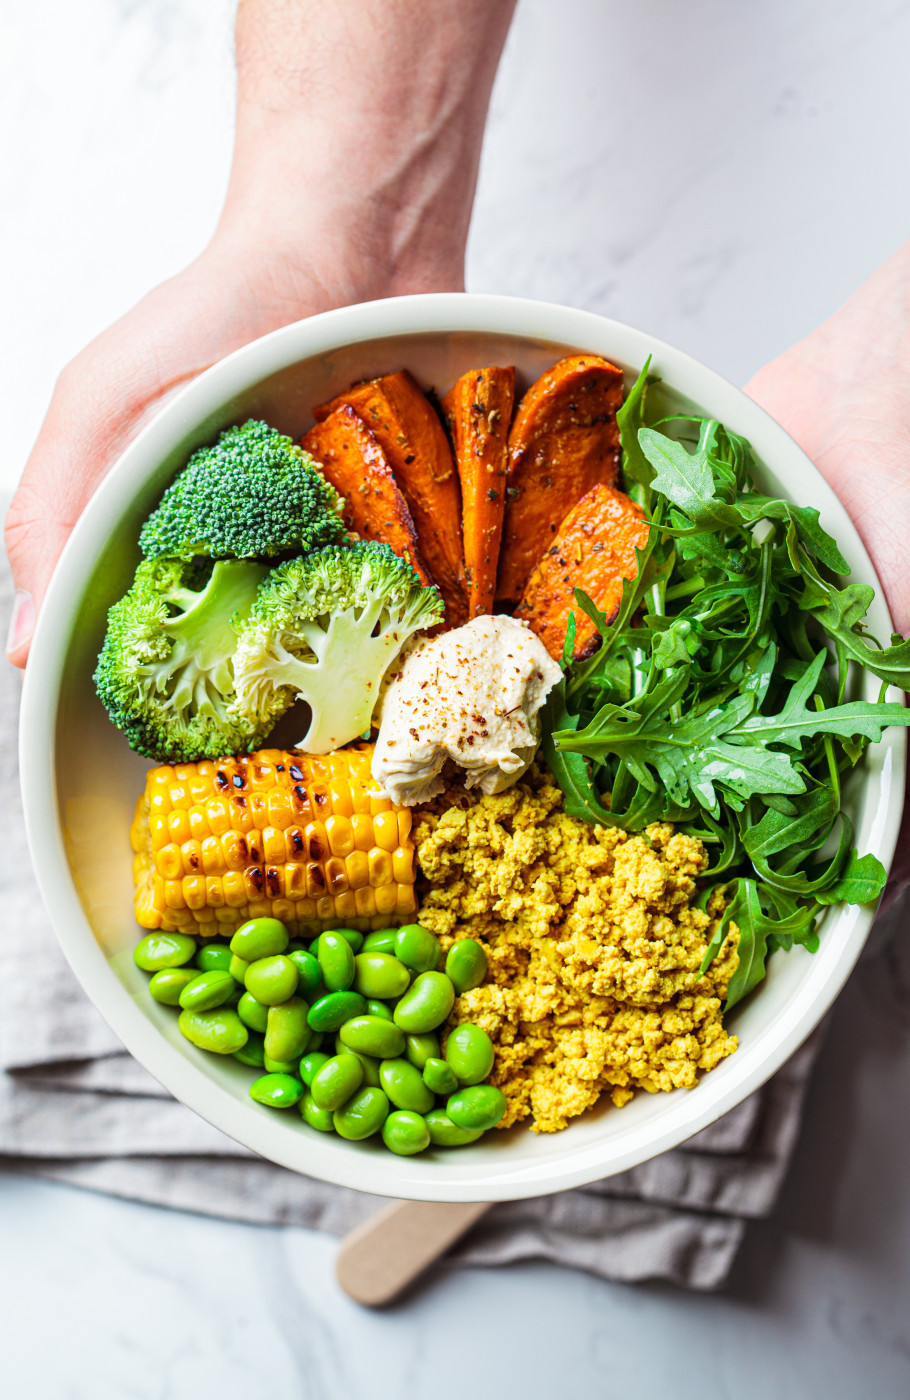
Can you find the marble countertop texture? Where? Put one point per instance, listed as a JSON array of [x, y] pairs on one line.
[[722, 174]]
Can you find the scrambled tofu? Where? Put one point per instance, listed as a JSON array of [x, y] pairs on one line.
[[593, 945]]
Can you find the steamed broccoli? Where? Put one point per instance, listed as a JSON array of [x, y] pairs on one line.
[[324, 629], [165, 671], [253, 495]]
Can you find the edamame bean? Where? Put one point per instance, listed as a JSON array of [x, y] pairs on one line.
[[405, 1133], [220, 1030], [380, 975], [336, 1081], [469, 1053], [402, 1082], [287, 1033], [308, 971], [466, 965], [167, 984], [444, 1133], [207, 990], [311, 1064], [381, 940], [438, 1077], [362, 1116], [252, 1013], [420, 1048], [479, 1107], [353, 936], [336, 960], [158, 950], [417, 948], [252, 1053], [215, 957], [330, 1012], [368, 1063], [371, 1035], [260, 938], [316, 1117], [426, 1004], [279, 1066], [271, 980], [237, 968], [277, 1090], [379, 1008]]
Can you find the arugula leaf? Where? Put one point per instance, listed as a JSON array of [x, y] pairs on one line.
[[570, 770], [777, 831], [636, 468], [756, 927], [861, 882], [685, 478], [568, 646], [796, 723]]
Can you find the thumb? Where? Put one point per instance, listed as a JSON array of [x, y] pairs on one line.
[[78, 441]]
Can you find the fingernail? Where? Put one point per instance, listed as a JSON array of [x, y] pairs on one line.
[[22, 622]]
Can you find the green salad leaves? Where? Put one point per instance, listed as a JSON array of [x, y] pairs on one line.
[[722, 695]]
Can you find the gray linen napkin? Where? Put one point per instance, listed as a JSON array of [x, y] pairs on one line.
[[74, 1107]]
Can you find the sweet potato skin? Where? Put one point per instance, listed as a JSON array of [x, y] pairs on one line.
[[408, 430], [478, 409], [594, 550], [564, 441], [353, 461]]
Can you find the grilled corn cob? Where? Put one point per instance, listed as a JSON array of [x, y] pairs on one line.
[[302, 838]]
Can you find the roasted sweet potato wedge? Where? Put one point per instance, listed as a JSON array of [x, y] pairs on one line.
[[564, 441], [408, 430], [353, 461], [594, 550], [478, 408]]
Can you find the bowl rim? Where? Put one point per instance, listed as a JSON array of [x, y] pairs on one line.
[[451, 1178]]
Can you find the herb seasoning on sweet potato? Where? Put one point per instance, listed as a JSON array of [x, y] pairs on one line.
[[564, 441], [353, 461], [479, 409], [594, 550], [408, 430]]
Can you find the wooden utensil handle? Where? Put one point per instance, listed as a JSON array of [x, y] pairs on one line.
[[377, 1261]]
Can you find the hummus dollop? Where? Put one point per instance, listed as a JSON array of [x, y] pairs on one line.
[[472, 695]]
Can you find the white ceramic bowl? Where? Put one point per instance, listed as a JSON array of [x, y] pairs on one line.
[[80, 780]]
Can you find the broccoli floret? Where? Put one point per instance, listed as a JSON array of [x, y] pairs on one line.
[[324, 629], [253, 495], [165, 672]]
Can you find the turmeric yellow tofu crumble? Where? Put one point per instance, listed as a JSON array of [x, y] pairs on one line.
[[593, 944]]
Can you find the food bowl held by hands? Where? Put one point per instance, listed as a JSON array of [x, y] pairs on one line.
[[80, 781]]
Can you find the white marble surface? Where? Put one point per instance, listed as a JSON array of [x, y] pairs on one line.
[[722, 174]]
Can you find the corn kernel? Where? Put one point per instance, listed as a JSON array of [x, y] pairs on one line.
[[173, 894], [194, 891], [273, 844], [340, 834], [315, 880], [234, 889], [357, 866], [346, 906], [386, 897], [380, 867], [336, 877], [403, 865], [385, 828]]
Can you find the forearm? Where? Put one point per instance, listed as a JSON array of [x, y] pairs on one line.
[[359, 127]]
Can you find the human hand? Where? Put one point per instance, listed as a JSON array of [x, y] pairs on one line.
[[844, 394], [348, 183], [229, 296]]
